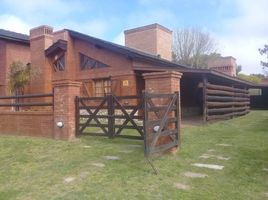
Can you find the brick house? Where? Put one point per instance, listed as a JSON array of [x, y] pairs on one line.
[[226, 65], [13, 47], [104, 67]]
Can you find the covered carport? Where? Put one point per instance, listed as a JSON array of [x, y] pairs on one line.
[[210, 95]]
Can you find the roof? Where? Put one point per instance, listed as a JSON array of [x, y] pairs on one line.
[[147, 27], [127, 51], [13, 36], [60, 45], [140, 55], [218, 74]]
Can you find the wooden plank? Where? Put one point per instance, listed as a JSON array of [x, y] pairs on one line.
[[231, 109], [225, 93], [27, 96], [164, 147], [226, 88], [214, 117], [224, 104], [158, 121], [221, 98], [160, 108], [25, 104]]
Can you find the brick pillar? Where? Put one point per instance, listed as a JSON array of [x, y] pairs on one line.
[[163, 82], [65, 92]]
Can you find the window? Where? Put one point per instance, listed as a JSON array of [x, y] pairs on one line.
[[102, 87], [59, 63], [90, 63]]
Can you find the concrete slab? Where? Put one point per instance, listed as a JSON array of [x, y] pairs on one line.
[[98, 164], [111, 157], [194, 175], [209, 166], [182, 186], [69, 179], [206, 156], [125, 151], [224, 145]]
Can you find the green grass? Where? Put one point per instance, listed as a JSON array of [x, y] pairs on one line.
[[32, 168]]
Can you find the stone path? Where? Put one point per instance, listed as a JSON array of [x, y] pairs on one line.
[[125, 151], [182, 186], [209, 166], [266, 194], [194, 175], [111, 157], [265, 169], [206, 156], [69, 179], [87, 146], [224, 145], [98, 164]]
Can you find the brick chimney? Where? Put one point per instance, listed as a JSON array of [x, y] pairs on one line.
[[154, 39], [40, 39]]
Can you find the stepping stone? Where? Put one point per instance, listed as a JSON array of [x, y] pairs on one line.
[[222, 158], [182, 186], [211, 150], [83, 174], [265, 169], [206, 156], [209, 166], [98, 164], [224, 145], [134, 145], [69, 179], [194, 175], [87, 146], [266, 194], [126, 151], [111, 157]]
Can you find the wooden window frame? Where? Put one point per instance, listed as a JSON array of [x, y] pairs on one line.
[[88, 63], [102, 87], [57, 64]]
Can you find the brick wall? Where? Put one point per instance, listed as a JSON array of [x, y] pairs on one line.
[[154, 39], [28, 123]]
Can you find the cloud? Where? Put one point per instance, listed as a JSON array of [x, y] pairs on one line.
[[245, 33], [119, 39], [13, 23]]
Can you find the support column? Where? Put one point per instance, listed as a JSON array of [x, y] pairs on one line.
[[65, 92], [164, 82]]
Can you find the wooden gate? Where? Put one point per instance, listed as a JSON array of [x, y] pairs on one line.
[[162, 122], [155, 117], [109, 116]]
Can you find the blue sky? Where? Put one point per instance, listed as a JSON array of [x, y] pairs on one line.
[[238, 26]]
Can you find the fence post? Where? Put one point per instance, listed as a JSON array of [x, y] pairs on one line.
[[77, 116], [65, 92], [111, 120]]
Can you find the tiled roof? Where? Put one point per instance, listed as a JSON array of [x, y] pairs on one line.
[[18, 37]]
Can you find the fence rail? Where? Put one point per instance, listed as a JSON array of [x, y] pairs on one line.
[[223, 102], [20, 98]]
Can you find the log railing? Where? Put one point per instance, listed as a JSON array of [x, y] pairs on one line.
[[222, 102]]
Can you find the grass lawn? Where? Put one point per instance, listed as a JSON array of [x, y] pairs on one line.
[[33, 168]]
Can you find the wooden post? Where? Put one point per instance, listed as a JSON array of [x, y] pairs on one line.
[[111, 119], [77, 116], [205, 81]]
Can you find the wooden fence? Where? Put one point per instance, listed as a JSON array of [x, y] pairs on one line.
[[18, 101], [222, 102]]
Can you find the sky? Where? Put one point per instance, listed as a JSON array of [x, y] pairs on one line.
[[239, 27]]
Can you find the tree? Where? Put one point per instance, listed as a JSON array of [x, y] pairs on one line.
[[254, 78], [20, 75], [192, 47], [264, 51]]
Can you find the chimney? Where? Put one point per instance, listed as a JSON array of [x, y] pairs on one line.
[[40, 39], [154, 39]]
